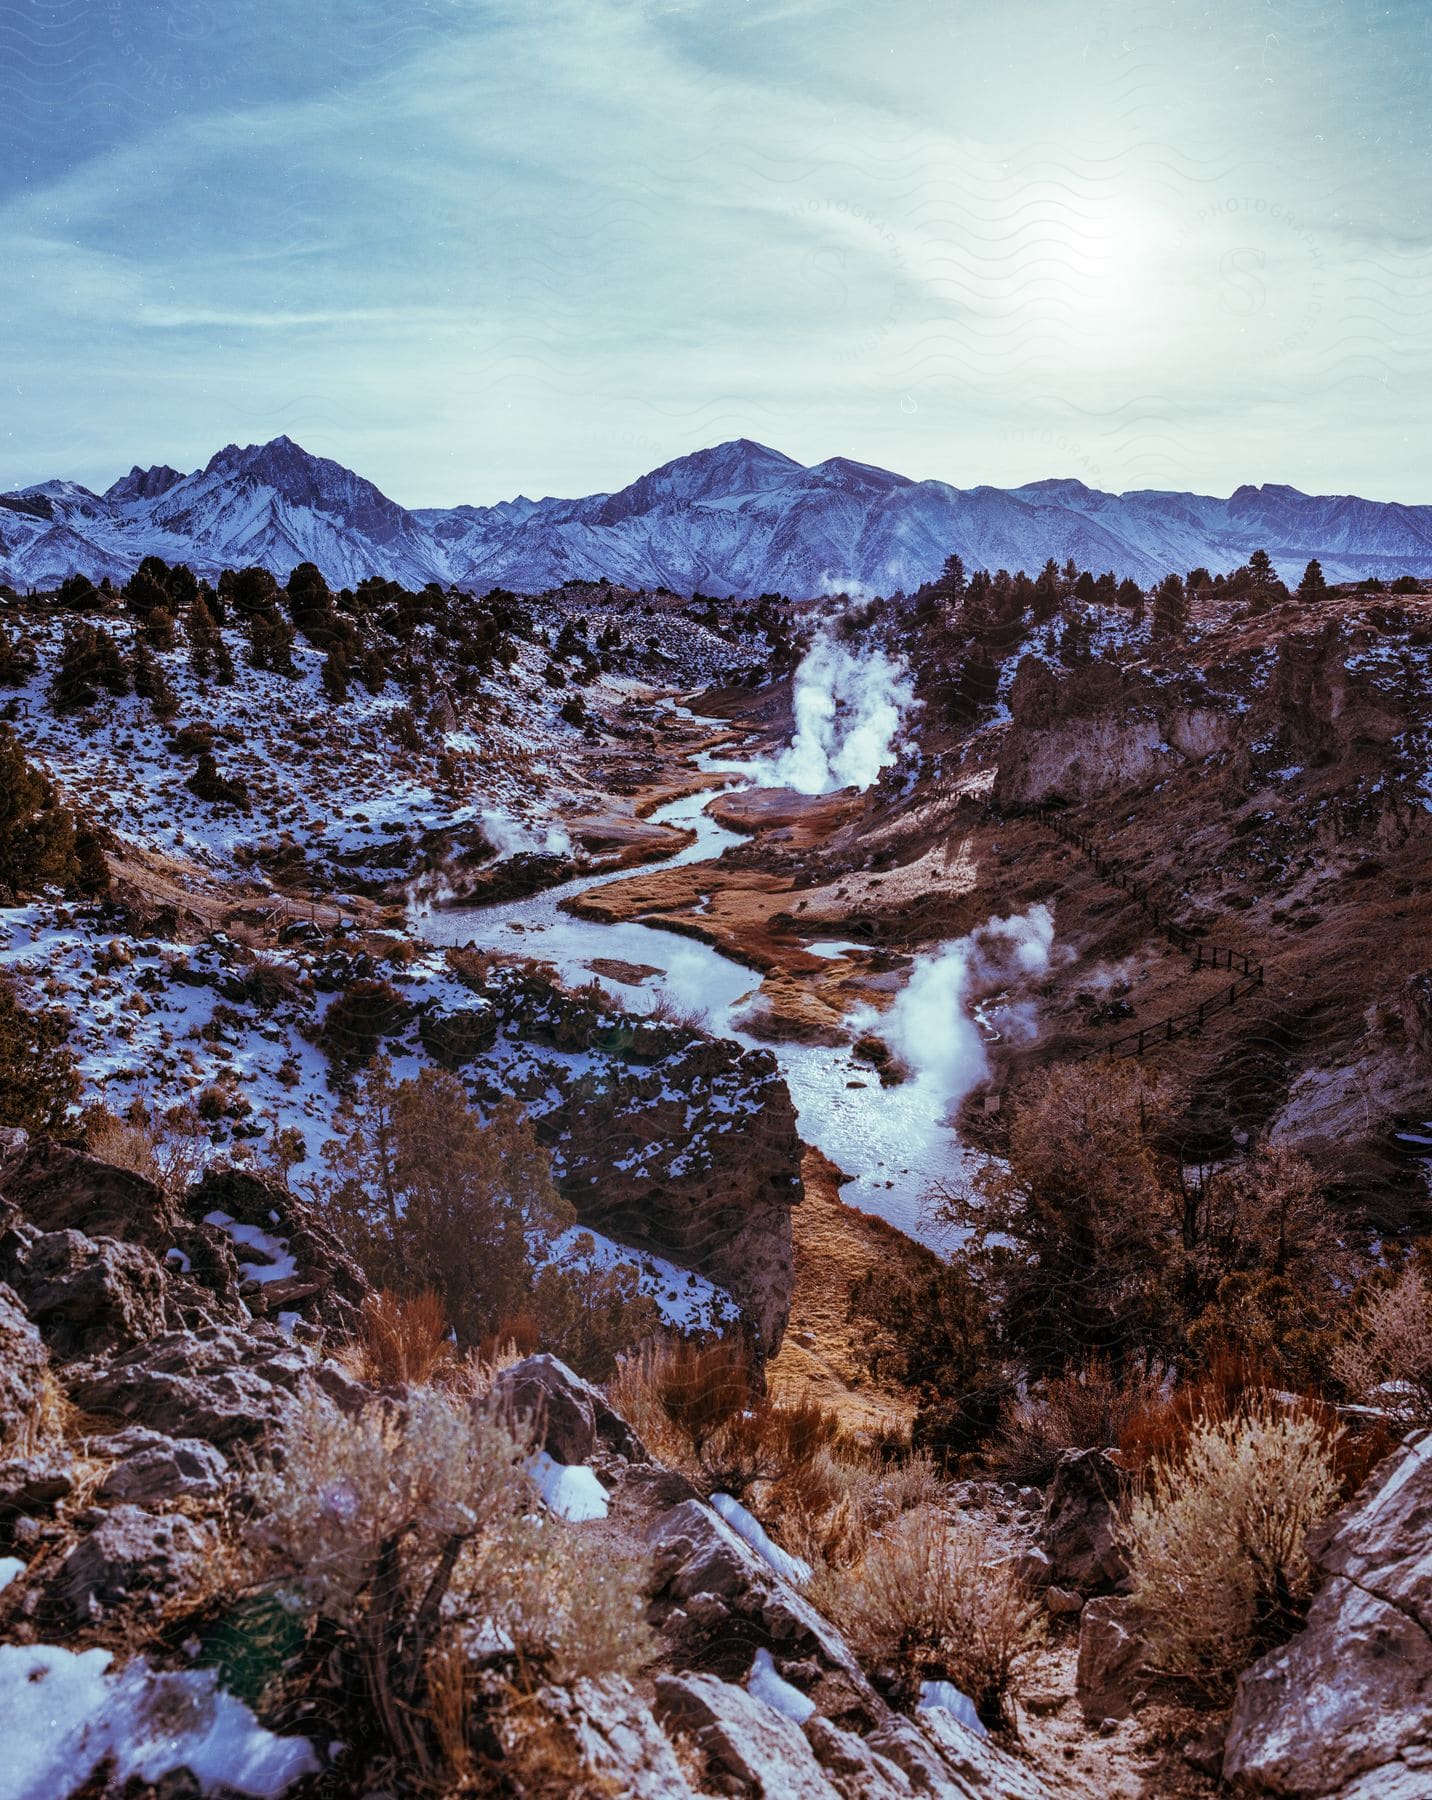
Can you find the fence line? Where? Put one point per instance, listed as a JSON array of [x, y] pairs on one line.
[[1205, 955]]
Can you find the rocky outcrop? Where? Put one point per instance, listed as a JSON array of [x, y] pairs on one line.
[[1078, 1529], [148, 1466], [568, 1416], [59, 1189], [128, 1553], [755, 1691], [1323, 698], [327, 1284], [84, 1293], [23, 1362], [667, 1140], [223, 1385], [1090, 730], [1345, 1709]]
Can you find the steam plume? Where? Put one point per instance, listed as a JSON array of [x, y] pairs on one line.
[[931, 1028], [849, 709]]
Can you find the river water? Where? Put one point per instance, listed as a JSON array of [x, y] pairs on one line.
[[893, 1143]]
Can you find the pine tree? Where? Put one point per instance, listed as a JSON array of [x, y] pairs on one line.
[[38, 1081], [158, 628], [79, 594], [952, 576], [1170, 618], [203, 638], [1313, 586], [37, 835], [89, 660], [151, 684], [148, 587], [335, 674], [1046, 592], [18, 660], [1131, 595]]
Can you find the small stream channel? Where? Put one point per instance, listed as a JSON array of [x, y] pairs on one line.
[[892, 1142]]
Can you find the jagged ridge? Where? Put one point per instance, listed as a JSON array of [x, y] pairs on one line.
[[737, 518]]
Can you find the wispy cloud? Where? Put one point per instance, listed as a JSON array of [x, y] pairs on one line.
[[483, 248]]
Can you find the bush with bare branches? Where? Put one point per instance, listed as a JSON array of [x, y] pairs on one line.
[[1086, 1408], [412, 1533], [1386, 1359], [169, 1149]]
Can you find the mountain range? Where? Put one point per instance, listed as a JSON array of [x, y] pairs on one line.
[[735, 519]]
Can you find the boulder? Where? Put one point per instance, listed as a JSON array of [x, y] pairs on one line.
[[150, 1466], [1345, 1707], [853, 1769], [971, 1764], [946, 1759], [741, 1739], [129, 1553], [216, 1384], [722, 1596], [621, 1748], [1111, 1658], [86, 1294], [568, 1414], [1080, 1516], [32, 1484], [58, 1189], [23, 1366]]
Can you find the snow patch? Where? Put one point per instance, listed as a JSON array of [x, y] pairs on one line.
[[748, 1527], [66, 1712]]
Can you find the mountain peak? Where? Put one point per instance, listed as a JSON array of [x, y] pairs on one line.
[[726, 471], [143, 484], [303, 479]]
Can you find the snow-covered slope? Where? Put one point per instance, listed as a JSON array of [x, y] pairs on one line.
[[739, 518]]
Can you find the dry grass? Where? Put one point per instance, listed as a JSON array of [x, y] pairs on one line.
[[49, 1420], [402, 1341], [170, 1150], [1087, 1408]]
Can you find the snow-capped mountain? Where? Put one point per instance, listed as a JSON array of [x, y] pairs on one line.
[[739, 518]]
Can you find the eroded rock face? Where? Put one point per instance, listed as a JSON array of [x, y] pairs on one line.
[[1093, 729], [150, 1466], [741, 1739], [23, 1362], [58, 1189], [569, 1414], [130, 1552], [1111, 1658], [220, 1385], [84, 1293], [328, 1285], [1345, 1708], [616, 1739]]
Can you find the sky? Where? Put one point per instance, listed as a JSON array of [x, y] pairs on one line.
[[474, 249]]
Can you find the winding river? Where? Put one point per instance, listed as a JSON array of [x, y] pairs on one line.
[[893, 1143]]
